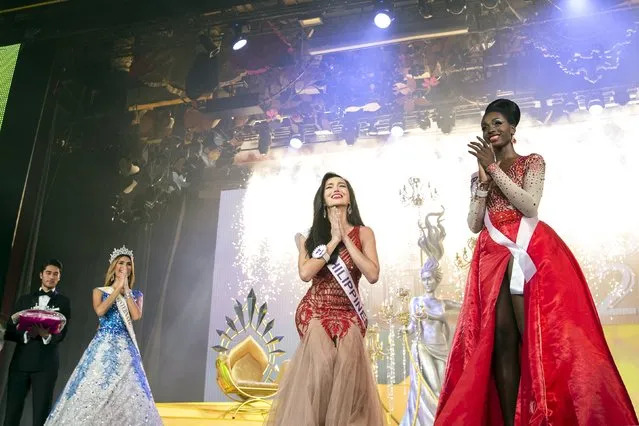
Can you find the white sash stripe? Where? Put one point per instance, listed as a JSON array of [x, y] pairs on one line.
[[523, 267], [343, 277]]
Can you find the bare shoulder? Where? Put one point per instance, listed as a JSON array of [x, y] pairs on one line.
[[366, 232], [97, 293]]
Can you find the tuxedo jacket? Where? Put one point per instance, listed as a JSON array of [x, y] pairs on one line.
[[35, 355]]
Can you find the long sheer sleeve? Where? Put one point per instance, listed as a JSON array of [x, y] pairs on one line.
[[477, 207], [525, 199]]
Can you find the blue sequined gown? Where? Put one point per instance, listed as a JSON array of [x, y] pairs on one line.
[[109, 386]]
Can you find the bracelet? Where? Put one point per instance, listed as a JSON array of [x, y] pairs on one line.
[[492, 168], [127, 295], [479, 193]]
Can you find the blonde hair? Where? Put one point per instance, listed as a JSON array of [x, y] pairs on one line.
[[109, 278]]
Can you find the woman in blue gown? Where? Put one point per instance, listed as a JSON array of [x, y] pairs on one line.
[[109, 386]]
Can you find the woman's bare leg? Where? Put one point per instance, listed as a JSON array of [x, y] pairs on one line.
[[506, 352]]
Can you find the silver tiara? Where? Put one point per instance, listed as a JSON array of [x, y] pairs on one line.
[[122, 251]]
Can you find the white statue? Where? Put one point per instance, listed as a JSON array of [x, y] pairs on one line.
[[429, 336]]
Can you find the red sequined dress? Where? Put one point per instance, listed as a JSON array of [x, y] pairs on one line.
[[568, 376], [329, 381], [326, 301]]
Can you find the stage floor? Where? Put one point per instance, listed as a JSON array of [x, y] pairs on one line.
[[622, 339], [205, 413], [222, 413]]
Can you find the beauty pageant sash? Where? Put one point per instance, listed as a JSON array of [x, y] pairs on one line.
[[343, 277], [523, 267], [120, 302]]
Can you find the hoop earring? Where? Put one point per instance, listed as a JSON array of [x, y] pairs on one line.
[[350, 209]]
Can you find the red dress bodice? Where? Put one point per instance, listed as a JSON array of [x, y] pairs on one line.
[[326, 301], [499, 207]]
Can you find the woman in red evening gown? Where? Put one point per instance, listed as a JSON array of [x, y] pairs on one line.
[[529, 348], [329, 380]]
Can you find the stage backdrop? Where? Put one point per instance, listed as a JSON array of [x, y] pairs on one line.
[[592, 167]]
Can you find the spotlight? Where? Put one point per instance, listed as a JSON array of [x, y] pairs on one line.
[[238, 39], [579, 7], [383, 19], [397, 130], [595, 106], [383, 13], [296, 141], [456, 7], [239, 43]]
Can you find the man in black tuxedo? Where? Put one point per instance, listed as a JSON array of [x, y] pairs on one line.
[[35, 360]]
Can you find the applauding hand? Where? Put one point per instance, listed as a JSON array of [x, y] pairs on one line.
[[484, 153]]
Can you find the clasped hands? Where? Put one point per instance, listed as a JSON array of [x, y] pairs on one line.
[[121, 282], [339, 224]]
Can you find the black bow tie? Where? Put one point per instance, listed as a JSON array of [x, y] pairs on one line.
[[44, 293]]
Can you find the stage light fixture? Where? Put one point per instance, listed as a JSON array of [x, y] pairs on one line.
[[490, 4], [383, 19], [296, 141], [397, 130], [456, 7], [595, 106], [239, 41], [580, 6], [383, 14]]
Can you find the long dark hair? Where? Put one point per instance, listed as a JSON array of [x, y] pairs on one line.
[[320, 232]]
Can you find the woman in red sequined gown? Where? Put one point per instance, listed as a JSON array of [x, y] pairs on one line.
[[329, 380], [529, 348]]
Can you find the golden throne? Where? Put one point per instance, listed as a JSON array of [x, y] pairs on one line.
[[246, 369]]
